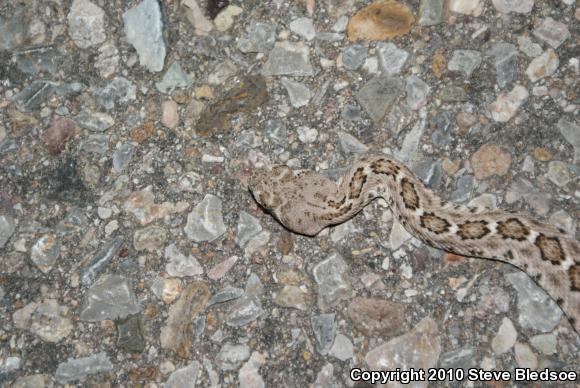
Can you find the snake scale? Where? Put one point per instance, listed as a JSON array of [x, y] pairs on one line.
[[306, 202]]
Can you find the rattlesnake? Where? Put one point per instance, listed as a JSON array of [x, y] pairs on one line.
[[307, 202]]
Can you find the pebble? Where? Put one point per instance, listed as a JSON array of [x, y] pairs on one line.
[[260, 38], [107, 61], [196, 16], [517, 6], [299, 94], [391, 58], [303, 27], [48, 320], [166, 289], [545, 343], [205, 222], [521, 188], [543, 66], [398, 236], [117, 90], [331, 276], [462, 358], [222, 72], [350, 144], [528, 47], [505, 62], [353, 56], [123, 156], [417, 91], [536, 309], [342, 348], [505, 337], [57, 135], [144, 31], [94, 121], [490, 160], [179, 265], [219, 270], [466, 7], [569, 130], [230, 356], [378, 96], [175, 334], [552, 32], [110, 297], [293, 297], [307, 135], [558, 173], [418, 348], [248, 227], [150, 238], [380, 21], [86, 23], [100, 260], [465, 61], [183, 377], [324, 328], [507, 104], [525, 357], [225, 295], [248, 375], [288, 58], [79, 368], [377, 317], [225, 19], [175, 77], [170, 114], [245, 310], [431, 12]]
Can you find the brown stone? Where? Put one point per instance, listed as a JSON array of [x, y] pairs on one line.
[[377, 316], [542, 154], [143, 132], [438, 64], [56, 136], [380, 20], [285, 243], [490, 160]]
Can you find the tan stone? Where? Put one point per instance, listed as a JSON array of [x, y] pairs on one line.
[[380, 20], [490, 160]]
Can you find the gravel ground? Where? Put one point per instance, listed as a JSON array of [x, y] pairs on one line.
[[132, 253]]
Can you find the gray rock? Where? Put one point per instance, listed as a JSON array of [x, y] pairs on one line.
[[342, 348], [536, 309], [350, 144], [118, 90], [408, 152], [465, 61], [12, 32], [329, 36], [303, 27], [244, 310], [34, 94], [110, 297], [419, 348], [563, 220], [225, 295], [517, 6], [545, 343], [179, 265], [528, 47], [391, 58], [248, 227], [249, 376], [523, 189], [205, 222], [378, 96], [299, 94], [96, 144], [37, 60], [94, 121], [505, 337], [288, 58], [47, 320], [79, 368], [571, 132], [260, 37], [552, 32], [45, 252], [430, 172], [353, 56], [86, 23], [417, 91], [123, 156], [183, 377], [143, 27], [7, 227], [431, 12], [230, 356], [558, 173], [505, 62], [464, 358], [351, 113], [276, 131], [222, 72], [464, 187], [331, 275], [174, 78], [100, 260], [324, 328], [108, 60]]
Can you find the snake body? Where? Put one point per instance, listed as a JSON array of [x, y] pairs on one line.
[[307, 202]]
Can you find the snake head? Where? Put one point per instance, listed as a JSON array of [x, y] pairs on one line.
[[265, 185]]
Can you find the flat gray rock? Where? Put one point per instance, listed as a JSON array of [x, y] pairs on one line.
[[144, 30], [110, 297]]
